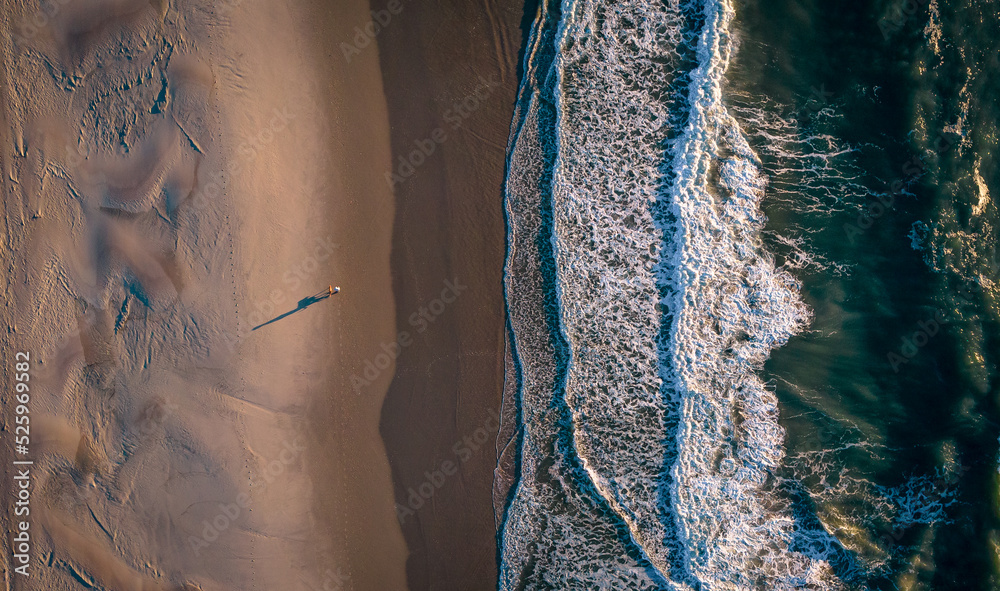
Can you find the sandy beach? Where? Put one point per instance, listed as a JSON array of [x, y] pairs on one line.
[[450, 102], [176, 177], [461, 295]]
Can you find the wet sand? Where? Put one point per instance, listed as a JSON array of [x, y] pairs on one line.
[[450, 71]]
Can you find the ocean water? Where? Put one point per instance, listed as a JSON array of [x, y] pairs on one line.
[[751, 285]]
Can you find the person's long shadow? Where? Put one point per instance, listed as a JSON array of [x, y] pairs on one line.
[[303, 304]]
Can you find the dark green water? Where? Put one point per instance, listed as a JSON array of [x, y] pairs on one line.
[[879, 136]]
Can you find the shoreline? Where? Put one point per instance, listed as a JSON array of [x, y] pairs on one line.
[[450, 123]]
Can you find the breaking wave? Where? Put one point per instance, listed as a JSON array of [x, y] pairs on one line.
[[642, 307]]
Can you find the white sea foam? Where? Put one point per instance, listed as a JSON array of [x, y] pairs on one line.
[[608, 172], [732, 308], [668, 306], [556, 531]]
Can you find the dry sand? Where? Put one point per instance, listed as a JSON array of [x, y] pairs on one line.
[[176, 174]]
